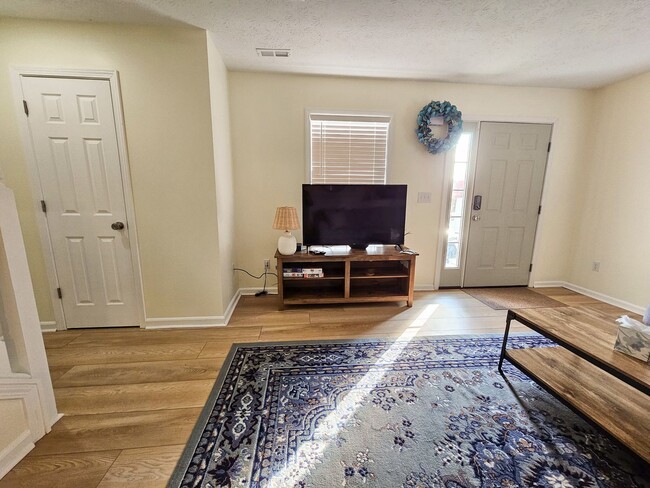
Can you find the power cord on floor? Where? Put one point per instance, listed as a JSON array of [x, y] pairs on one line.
[[263, 291]]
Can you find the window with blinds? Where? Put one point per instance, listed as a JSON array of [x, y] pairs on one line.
[[348, 149]]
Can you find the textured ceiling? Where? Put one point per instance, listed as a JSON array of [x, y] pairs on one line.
[[562, 43], [121, 11]]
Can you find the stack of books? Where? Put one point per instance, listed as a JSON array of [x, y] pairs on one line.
[[312, 272], [292, 272], [302, 272]]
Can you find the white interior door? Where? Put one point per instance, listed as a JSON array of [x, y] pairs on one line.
[[510, 169], [73, 134]]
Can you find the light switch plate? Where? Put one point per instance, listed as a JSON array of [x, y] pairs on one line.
[[424, 197]]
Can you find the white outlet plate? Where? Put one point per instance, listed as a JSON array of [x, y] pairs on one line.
[[424, 197], [595, 266]]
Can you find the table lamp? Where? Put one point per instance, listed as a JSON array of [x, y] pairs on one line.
[[286, 218]]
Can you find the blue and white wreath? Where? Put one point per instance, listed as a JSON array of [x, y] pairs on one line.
[[452, 117]]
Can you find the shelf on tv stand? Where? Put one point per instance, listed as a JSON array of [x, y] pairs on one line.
[[376, 274]]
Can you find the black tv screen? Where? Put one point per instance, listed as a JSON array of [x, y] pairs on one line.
[[353, 215]]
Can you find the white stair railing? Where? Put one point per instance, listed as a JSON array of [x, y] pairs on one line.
[[24, 374]]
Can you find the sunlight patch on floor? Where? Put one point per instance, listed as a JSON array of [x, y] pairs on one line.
[[310, 453]]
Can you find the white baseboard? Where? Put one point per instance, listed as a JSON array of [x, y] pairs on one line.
[[424, 288], [549, 284], [194, 322], [48, 327], [214, 321], [231, 306], [184, 322], [606, 298], [591, 293], [222, 320], [15, 452]]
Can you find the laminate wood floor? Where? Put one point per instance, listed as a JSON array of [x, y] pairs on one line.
[[131, 396]]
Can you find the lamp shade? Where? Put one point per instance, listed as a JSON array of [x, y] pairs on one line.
[[286, 218]]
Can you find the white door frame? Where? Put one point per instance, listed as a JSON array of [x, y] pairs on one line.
[[442, 227], [17, 72]]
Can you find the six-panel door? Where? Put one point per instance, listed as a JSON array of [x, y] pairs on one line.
[[509, 177], [73, 134]]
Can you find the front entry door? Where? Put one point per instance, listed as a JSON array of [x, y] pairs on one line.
[[73, 134], [508, 184]]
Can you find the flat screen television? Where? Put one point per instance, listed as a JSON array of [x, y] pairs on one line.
[[353, 215]]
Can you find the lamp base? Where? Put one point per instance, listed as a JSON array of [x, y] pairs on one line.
[[287, 244]]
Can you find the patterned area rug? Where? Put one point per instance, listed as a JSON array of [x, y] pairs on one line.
[[512, 298], [425, 413]]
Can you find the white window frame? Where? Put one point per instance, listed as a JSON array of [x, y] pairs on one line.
[[343, 113]]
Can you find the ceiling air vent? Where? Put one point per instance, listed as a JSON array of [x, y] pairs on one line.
[[272, 53]]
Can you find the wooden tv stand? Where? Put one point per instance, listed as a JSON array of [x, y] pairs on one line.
[[377, 274]]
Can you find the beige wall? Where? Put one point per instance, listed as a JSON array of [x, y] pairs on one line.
[[223, 169], [164, 82], [614, 227], [268, 127], [13, 421], [194, 199]]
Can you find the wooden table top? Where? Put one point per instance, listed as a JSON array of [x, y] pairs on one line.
[[591, 332], [380, 253]]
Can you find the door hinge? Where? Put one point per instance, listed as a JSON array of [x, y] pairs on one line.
[[43, 206], [548, 149], [530, 268], [59, 294], [25, 108], [539, 210]]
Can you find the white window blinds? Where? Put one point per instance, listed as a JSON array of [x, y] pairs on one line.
[[348, 149]]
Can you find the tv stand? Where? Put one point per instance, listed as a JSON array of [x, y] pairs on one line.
[[376, 274]]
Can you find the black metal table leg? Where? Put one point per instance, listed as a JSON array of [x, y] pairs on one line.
[[505, 341]]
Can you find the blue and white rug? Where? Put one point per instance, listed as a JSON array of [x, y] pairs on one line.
[[422, 413]]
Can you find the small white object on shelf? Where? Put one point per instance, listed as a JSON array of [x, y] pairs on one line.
[[633, 338], [646, 316]]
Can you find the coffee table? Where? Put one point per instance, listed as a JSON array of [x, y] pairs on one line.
[[608, 388]]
